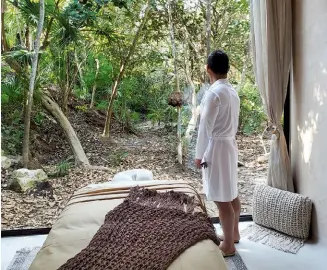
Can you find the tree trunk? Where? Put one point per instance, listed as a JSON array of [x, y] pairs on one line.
[[27, 120], [245, 66], [80, 72], [208, 35], [53, 108], [95, 84], [27, 38], [192, 123], [243, 76], [49, 26], [179, 121], [4, 44], [208, 28], [106, 131], [65, 96]]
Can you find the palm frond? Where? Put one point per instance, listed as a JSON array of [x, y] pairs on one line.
[[20, 54], [30, 10]]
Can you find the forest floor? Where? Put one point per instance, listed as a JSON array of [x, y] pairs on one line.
[[153, 149]]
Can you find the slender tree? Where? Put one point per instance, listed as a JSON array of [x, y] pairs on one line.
[[95, 83], [4, 44], [29, 101], [174, 51], [208, 27], [106, 131]]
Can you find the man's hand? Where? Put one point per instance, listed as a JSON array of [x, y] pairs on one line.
[[198, 163]]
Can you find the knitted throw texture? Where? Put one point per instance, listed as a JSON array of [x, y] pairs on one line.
[[149, 230]]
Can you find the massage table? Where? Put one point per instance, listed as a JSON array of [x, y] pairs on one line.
[[85, 213]]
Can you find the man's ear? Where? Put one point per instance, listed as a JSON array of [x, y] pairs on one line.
[[209, 70]]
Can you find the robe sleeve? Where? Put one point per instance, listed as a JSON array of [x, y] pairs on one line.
[[208, 117]]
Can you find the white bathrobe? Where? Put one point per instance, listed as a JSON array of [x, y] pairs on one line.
[[216, 143]]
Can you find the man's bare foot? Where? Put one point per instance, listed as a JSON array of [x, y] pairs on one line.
[[227, 251], [236, 239]]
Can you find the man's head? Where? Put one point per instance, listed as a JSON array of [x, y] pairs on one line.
[[218, 64]]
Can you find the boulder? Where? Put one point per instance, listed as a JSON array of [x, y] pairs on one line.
[[24, 179], [5, 162], [133, 175]]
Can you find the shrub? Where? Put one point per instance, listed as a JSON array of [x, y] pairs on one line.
[[252, 115]]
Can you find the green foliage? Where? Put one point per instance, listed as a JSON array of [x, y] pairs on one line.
[[79, 32], [4, 98], [104, 78], [117, 158], [103, 105], [166, 115], [81, 14], [11, 91], [23, 56], [12, 128], [62, 169], [252, 115], [156, 115], [12, 132], [39, 118], [82, 108]]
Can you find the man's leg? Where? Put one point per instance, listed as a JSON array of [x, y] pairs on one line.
[[227, 220], [236, 204], [237, 210]]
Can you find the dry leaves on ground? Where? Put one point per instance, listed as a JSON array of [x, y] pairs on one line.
[[153, 149]]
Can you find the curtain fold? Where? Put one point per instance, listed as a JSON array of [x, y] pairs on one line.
[[271, 36]]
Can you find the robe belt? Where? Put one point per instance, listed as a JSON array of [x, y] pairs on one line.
[[204, 163], [222, 138]]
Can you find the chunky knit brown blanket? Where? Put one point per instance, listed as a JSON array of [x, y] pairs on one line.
[[149, 230]]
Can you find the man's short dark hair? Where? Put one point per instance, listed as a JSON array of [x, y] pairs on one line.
[[218, 62]]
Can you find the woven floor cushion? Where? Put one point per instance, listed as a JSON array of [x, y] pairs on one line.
[[283, 211]]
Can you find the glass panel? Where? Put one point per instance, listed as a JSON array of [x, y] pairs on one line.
[[143, 127]]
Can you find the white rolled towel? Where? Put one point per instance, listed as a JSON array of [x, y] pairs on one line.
[[133, 175]]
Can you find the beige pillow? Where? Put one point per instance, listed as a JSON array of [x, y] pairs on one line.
[[283, 211]]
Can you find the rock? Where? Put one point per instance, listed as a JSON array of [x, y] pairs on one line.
[[16, 160], [8, 206], [240, 164], [4, 221], [263, 158], [133, 175], [5, 162], [24, 179], [251, 164], [43, 189], [52, 204]]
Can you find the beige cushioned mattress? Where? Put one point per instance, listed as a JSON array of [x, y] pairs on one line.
[[85, 213]]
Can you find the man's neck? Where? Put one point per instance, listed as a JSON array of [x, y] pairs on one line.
[[215, 78]]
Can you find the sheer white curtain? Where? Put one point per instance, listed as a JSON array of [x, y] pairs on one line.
[[271, 35]]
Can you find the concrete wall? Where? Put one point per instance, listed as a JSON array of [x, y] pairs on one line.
[[309, 108]]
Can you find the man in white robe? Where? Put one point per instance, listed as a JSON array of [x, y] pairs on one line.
[[216, 149]]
